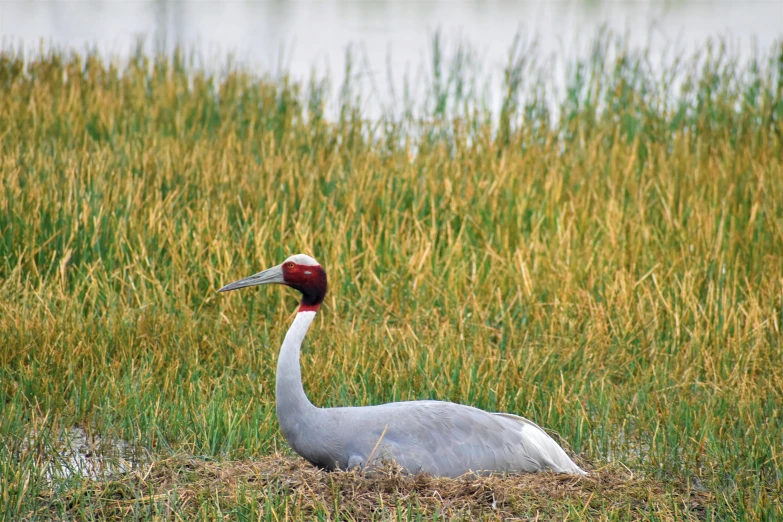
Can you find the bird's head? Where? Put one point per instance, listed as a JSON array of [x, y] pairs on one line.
[[300, 272]]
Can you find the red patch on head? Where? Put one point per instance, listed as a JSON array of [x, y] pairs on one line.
[[308, 279], [309, 308]]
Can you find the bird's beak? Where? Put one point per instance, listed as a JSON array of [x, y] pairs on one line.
[[271, 275]]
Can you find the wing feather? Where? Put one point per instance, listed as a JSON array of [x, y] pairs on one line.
[[440, 438]]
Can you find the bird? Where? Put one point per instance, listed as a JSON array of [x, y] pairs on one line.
[[440, 438]]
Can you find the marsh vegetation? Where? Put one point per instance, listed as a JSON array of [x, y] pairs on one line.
[[608, 263]]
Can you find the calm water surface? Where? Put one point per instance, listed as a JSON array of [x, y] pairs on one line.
[[391, 39]]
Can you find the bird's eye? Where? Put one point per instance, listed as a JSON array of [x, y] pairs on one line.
[[290, 264]]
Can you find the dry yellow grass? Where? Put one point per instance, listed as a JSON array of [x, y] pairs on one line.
[[615, 275], [289, 488]]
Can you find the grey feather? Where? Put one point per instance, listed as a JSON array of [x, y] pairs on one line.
[[440, 438]]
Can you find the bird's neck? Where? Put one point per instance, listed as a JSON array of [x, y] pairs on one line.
[[293, 407]]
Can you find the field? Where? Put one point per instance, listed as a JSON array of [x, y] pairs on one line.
[[608, 264]]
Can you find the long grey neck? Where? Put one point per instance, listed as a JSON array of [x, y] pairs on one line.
[[294, 411]]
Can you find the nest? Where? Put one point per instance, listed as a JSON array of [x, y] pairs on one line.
[[285, 487]]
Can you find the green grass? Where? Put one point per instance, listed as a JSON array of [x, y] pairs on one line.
[[611, 269]]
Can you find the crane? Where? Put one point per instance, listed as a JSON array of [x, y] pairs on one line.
[[435, 437]]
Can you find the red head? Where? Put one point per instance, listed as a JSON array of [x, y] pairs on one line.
[[300, 272], [303, 273]]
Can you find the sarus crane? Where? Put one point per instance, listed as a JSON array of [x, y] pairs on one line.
[[435, 437]]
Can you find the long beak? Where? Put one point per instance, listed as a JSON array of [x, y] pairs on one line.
[[270, 275]]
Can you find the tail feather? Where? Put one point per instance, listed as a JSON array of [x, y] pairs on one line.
[[547, 449]]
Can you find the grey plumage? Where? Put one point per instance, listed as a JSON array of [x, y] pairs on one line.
[[440, 438]]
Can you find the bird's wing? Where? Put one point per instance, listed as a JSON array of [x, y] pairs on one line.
[[541, 446], [448, 439]]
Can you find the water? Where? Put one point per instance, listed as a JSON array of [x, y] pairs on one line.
[[76, 452], [390, 40]]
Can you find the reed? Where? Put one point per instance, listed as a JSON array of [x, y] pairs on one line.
[[607, 263]]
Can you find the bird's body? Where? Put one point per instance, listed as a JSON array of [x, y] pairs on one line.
[[440, 438]]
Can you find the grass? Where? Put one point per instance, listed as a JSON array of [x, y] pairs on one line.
[[610, 267], [292, 488]]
